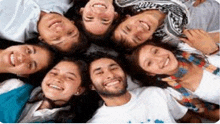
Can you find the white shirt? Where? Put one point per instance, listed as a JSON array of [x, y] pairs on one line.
[[147, 105], [18, 18]]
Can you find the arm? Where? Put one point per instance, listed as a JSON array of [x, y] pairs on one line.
[[197, 2], [200, 40], [190, 117]]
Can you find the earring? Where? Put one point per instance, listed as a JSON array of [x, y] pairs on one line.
[[77, 93]]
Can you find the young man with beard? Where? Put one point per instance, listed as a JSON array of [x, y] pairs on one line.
[[142, 105]]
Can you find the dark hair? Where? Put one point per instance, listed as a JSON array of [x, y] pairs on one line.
[[99, 55], [141, 75], [82, 106]]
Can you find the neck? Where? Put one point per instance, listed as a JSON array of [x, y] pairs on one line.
[[192, 78], [45, 104], [157, 14], [117, 100]]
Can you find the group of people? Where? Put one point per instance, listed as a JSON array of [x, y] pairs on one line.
[[109, 61]]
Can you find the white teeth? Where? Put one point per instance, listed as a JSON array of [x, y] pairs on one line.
[[112, 83], [55, 87], [99, 6], [145, 25], [167, 61], [12, 59]]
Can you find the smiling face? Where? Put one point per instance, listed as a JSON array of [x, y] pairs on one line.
[[58, 31], [107, 77], [24, 59], [62, 82], [137, 29], [156, 60], [98, 15]]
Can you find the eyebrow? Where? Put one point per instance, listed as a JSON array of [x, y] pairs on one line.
[[97, 69], [113, 64], [72, 74], [34, 50]]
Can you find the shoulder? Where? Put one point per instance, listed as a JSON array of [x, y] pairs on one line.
[[10, 84]]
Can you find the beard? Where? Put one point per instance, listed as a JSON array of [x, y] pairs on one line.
[[107, 93]]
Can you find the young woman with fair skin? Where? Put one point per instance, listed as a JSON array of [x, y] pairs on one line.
[[98, 15], [139, 28], [156, 61], [59, 88], [58, 31], [24, 60]]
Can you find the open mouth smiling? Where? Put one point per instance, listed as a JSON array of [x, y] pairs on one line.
[[12, 59], [145, 25], [99, 5], [112, 83], [56, 87]]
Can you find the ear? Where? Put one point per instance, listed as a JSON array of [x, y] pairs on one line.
[[81, 10], [151, 74], [92, 87], [80, 91], [40, 38], [72, 22], [128, 16], [115, 15], [23, 75]]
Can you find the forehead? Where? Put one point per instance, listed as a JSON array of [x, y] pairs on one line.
[[102, 63], [67, 66]]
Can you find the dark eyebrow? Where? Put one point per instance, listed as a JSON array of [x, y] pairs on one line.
[[113, 64], [97, 69], [34, 50], [124, 31], [135, 41], [72, 74]]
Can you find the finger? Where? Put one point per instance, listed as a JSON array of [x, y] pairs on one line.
[[203, 32], [188, 34], [197, 3], [186, 41], [193, 32]]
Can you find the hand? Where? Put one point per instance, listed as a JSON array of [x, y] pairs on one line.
[[197, 2], [200, 40]]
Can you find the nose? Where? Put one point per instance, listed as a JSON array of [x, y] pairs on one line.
[[59, 29], [159, 60], [139, 29], [58, 78], [109, 75], [23, 58]]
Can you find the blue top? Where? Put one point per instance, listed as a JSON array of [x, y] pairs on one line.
[[12, 103]]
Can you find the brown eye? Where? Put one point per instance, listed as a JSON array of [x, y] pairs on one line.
[[28, 50], [128, 28], [89, 17], [69, 32], [149, 63], [155, 51]]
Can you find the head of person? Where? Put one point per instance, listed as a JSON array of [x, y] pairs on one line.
[[107, 75], [60, 32], [98, 15], [24, 60], [65, 81], [154, 60], [136, 29]]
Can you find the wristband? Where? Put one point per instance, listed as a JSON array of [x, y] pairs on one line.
[[214, 51]]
